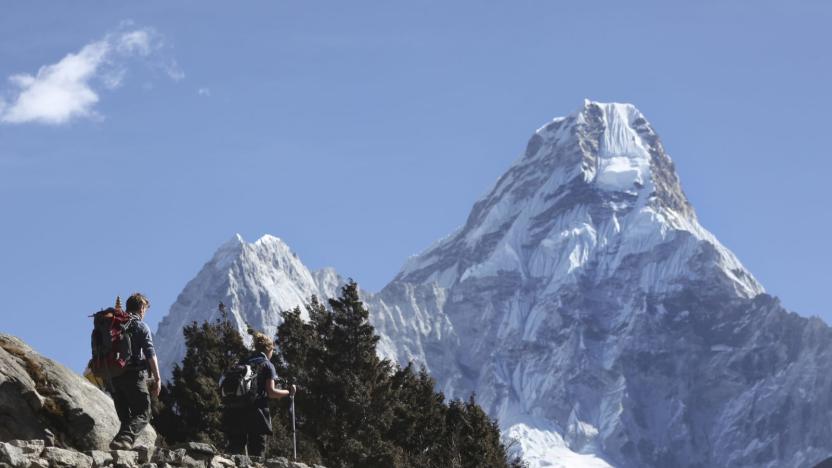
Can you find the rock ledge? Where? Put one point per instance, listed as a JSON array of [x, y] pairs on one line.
[[36, 454]]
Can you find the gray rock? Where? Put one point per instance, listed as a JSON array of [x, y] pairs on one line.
[[241, 460], [58, 457], [197, 454], [41, 399], [191, 462], [221, 462], [197, 448], [100, 458], [163, 456], [149, 465], [38, 463], [278, 462], [30, 447], [11, 455], [125, 458]]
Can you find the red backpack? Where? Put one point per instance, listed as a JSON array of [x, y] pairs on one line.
[[111, 344]]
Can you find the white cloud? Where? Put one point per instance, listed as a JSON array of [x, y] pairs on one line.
[[112, 79], [173, 71], [203, 92], [66, 90], [135, 42]]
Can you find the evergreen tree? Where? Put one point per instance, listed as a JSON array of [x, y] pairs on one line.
[[190, 402], [360, 381], [418, 426], [343, 384], [300, 349], [473, 439], [353, 408]]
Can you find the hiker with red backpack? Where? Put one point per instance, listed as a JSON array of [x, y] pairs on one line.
[[123, 353], [246, 388]]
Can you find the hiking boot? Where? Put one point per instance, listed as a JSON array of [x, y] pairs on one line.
[[121, 444]]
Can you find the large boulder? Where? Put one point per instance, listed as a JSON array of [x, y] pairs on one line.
[[41, 399]]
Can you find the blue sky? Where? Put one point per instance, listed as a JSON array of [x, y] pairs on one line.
[[135, 138]]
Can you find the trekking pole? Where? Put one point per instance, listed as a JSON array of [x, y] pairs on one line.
[[294, 432]]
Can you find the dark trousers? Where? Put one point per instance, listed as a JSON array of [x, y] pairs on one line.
[[256, 444], [247, 427], [132, 401]]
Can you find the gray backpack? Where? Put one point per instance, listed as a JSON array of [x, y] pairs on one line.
[[239, 384]]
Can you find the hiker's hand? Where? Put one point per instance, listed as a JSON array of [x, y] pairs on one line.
[[157, 387]]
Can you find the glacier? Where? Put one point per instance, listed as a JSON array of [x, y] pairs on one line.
[[585, 306]]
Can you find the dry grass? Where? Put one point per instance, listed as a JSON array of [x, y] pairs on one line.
[[33, 368], [53, 408]]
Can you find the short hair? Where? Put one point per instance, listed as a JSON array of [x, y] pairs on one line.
[[136, 301], [262, 343]]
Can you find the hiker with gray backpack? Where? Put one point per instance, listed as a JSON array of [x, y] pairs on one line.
[[246, 388]]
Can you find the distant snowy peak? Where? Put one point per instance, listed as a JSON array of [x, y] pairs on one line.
[[256, 281], [267, 248], [595, 182], [329, 282]]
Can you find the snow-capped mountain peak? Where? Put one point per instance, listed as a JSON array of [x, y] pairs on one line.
[[256, 281], [593, 187], [533, 300]]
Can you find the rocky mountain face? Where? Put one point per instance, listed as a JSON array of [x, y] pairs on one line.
[[587, 308], [41, 399]]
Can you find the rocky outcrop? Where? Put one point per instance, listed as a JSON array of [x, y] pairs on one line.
[[43, 400], [35, 453]]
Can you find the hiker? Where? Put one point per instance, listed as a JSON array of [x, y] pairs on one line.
[[130, 389], [249, 425]]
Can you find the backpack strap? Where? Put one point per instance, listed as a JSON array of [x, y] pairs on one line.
[[258, 363]]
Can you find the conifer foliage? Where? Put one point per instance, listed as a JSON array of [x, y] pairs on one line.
[[352, 408], [189, 405], [355, 409]]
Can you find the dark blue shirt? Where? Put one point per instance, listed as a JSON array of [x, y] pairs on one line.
[[267, 372], [141, 342]]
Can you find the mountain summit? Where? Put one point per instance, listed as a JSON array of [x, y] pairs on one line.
[[256, 281], [589, 311], [596, 186]]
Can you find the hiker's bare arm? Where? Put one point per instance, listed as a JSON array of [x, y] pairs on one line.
[[154, 372], [274, 392]]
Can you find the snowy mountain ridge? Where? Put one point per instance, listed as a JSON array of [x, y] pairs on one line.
[[586, 307], [256, 281]]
